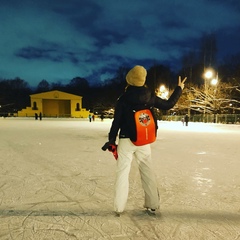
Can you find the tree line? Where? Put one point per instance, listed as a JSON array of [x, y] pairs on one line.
[[199, 95]]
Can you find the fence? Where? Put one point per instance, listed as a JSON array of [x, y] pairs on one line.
[[213, 118]]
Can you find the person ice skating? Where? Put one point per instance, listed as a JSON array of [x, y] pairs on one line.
[[136, 94], [90, 117], [186, 119], [102, 116], [183, 121]]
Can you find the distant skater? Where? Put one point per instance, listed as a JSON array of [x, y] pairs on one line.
[[90, 117], [183, 121], [186, 119]]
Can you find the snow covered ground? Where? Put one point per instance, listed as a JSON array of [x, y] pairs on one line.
[[57, 183]]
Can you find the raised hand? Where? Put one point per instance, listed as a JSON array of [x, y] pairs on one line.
[[181, 82]]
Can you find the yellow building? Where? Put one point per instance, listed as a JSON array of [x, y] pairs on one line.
[[55, 104]]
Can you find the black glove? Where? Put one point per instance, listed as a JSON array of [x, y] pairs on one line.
[[112, 147], [108, 145], [105, 146]]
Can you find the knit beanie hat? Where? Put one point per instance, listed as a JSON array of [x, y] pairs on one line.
[[137, 76]]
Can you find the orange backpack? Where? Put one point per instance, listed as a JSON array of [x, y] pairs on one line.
[[145, 127]]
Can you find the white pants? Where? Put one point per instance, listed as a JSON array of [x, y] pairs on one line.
[[126, 151]]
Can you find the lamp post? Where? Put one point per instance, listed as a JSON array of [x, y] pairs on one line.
[[214, 82], [233, 118], [208, 74]]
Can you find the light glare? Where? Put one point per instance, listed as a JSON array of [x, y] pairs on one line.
[[208, 74]]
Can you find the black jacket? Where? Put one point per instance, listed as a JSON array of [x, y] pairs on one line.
[[137, 97]]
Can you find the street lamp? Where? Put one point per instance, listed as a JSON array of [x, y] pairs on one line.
[[207, 75], [231, 106], [214, 82], [163, 92]]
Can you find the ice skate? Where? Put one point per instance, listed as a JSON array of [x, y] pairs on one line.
[[151, 211], [118, 214]]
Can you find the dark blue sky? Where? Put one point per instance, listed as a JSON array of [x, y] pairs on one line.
[[59, 40]]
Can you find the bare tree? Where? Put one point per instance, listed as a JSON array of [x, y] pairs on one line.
[[43, 86], [217, 99]]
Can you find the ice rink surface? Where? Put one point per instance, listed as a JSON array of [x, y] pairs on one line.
[[57, 183]]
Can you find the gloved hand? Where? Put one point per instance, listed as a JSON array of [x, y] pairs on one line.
[[107, 144], [112, 147]]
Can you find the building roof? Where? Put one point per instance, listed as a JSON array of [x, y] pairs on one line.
[[55, 94]]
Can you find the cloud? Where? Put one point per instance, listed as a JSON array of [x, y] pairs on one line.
[[55, 40]]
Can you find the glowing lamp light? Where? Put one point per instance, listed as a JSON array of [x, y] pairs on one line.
[[208, 74], [163, 92], [214, 81], [162, 88]]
